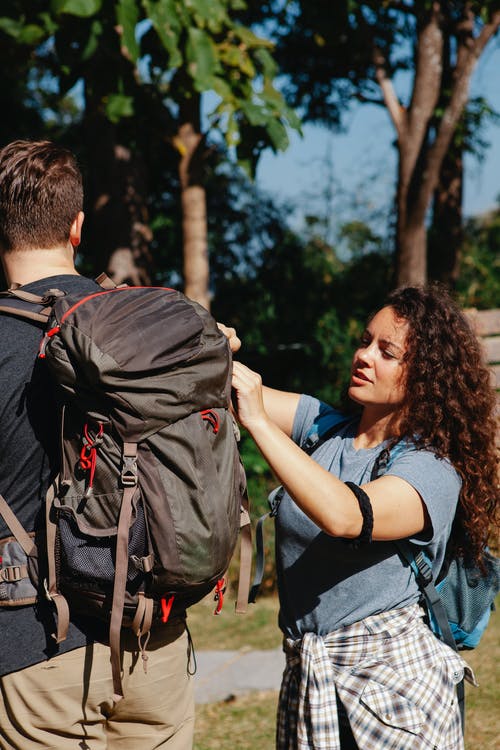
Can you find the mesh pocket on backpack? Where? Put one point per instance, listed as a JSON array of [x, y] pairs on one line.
[[87, 561]]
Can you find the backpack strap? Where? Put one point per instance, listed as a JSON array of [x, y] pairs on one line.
[[129, 483], [424, 577], [51, 589], [16, 527], [15, 301], [105, 281], [311, 443], [243, 597]]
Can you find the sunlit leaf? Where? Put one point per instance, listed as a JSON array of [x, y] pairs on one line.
[[255, 115], [118, 106], [30, 34], [92, 41], [221, 87], [209, 13], [81, 8], [202, 58], [265, 60], [251, 39], [49, 24], [127, 15], [278, 135], [167, 24]]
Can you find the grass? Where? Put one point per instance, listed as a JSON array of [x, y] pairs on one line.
[[257, 629], [248, 722]]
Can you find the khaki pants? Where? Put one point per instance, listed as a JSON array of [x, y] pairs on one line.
[[65, 703]]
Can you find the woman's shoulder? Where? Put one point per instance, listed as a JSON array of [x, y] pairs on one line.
[[435, 478], [315, 418]]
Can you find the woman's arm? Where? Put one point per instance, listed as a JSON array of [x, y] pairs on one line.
[[398, 509]]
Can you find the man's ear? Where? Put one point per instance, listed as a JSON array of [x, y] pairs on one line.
[[75, 233]]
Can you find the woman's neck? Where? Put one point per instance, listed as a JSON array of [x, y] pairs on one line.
[[374, 428]]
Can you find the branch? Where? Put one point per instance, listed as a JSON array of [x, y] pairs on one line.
[[487, 32], [369, 100], [467, 57], [391, 101], [428, 76]]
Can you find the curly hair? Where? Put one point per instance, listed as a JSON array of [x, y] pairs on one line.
[[450, 406]]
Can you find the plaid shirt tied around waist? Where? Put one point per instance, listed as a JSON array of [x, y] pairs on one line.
[[394, 678]]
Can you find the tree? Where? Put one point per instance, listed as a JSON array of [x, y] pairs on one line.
[[446, 235], [355, 50], [143, 67]]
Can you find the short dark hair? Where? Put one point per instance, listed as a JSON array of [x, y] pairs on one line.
[[41, 194]]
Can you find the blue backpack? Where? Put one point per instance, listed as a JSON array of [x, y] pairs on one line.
[[461, 600]]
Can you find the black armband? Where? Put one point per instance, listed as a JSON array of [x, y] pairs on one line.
[[365, 507]]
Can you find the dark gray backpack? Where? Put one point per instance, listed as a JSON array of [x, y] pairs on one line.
[[144, 517]]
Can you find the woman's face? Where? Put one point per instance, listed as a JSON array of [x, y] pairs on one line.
[[378, 372]]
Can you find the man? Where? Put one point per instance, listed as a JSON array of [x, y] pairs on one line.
[[59, 696]]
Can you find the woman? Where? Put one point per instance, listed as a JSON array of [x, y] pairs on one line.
[[363, 669]]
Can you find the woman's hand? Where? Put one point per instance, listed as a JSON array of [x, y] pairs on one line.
[[230, 333], [249, 398]]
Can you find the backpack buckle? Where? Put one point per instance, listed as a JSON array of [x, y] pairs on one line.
[[129, 471], [12, 574]]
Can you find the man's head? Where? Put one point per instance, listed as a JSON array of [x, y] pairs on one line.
[[41, 196]]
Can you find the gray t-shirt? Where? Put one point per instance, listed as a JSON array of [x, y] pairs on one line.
[[326, 582]]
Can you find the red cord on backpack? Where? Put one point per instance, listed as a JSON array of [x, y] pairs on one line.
[[88, 453], [220, 589], [166, 607], [211, 416]]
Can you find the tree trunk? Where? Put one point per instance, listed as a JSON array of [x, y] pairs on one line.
[[421, 151], [117, 231], [446, 233], [190, 144], [411, 246]]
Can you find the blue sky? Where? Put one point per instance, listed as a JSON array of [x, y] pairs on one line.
[[360, 165]]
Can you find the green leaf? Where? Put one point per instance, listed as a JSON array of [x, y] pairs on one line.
[[208, 13], [221, 87], [92, 41], [127, 15], [49, 24], [81, 8], [30, 34], [293, 119], [278, 135], [255, 114], [118, 106], [167, 24], [267, 63], [271, 96], [201, 58], [251, 39]]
